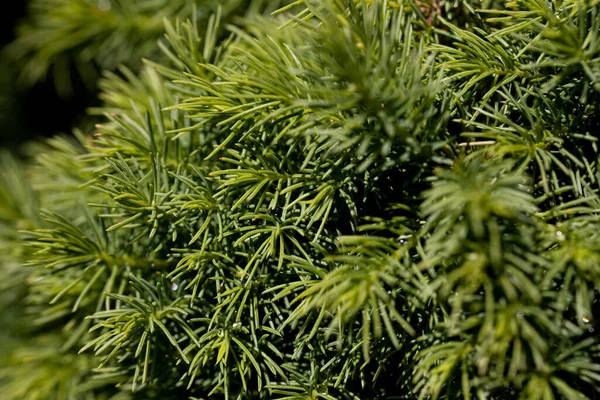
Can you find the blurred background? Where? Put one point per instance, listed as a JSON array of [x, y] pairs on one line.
[[33, 109], [53, 52]]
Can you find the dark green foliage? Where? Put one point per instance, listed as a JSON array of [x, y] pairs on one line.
[[346, 200]]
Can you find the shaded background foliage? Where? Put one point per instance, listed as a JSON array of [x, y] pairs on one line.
[[53, 53], [28, 112]]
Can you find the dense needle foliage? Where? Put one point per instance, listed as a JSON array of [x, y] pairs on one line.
[[344, 200]]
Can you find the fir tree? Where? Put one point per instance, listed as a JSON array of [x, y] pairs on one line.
[[344, 200]]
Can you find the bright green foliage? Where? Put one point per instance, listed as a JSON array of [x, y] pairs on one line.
[[345, 200]]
